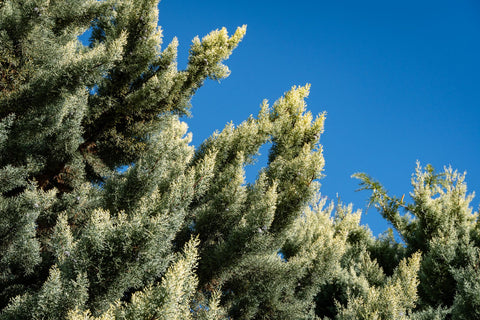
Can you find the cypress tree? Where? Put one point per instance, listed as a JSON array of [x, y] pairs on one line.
[[76, 233], [441, 225], [108, 212]]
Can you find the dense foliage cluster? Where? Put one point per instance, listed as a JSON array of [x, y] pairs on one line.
[[179, 233]]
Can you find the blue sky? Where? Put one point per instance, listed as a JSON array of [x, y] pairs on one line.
[[399, 81]]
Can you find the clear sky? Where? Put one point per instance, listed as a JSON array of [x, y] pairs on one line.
[[399, 81]]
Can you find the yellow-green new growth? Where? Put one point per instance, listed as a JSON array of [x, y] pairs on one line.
[[394, 300]]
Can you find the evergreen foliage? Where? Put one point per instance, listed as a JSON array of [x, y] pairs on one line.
[[440, 224], [108, 212]]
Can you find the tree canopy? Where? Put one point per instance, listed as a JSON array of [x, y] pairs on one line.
[[108, 212]]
